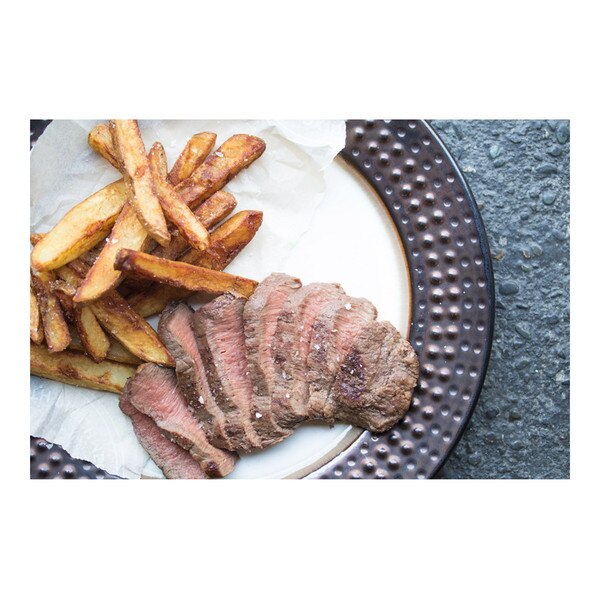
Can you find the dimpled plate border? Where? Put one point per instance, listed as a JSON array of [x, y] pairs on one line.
[[453, 299]]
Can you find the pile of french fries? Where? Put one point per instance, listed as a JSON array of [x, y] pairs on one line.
[[153, 236]]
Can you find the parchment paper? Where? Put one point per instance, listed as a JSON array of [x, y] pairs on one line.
[[287, 183]]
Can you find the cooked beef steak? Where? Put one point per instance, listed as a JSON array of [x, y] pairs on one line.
[[261, 313], [333, 333], [173, 460], [153, 391], [291, 344], [219, 328], [375, 382], [175, 331]]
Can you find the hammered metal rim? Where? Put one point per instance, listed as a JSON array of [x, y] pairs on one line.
[[413, 173], [430, 202]]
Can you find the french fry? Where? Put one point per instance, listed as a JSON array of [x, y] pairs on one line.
[[120, 320], [226, 242], [209, 213], [81, 228], [78, 369], [116, 352], [192, 156], [127, 232], [178, 274], [174, 208], [93, 338], [235, 154], [127, 141], [36, 330], [56, 331], [100, 140]]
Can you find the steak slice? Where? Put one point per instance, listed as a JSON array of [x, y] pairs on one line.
[[334, 331], [261, 313], [173, 460], [175, 331], [291, 347], [219, 329], [153, 391], [374, 384]]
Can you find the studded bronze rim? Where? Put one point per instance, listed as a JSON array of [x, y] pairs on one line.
[[452, 318], [452, 296]]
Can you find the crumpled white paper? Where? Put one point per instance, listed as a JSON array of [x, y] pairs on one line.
[[287, 183]]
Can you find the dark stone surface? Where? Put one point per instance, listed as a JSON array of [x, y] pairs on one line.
[[519, 174]]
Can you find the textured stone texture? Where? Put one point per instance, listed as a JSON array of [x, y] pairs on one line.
[[519, 174]]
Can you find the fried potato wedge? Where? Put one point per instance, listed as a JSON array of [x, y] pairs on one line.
[[190, 277], [100, 140], [209, 213], [127, 141], [56, 331], [36, 329], [226, 243], [235, 154], [116, 351], [121, 321], [78, 369], [174, 208], [128, 232], [81, 228], [192, 156], [92, 336]]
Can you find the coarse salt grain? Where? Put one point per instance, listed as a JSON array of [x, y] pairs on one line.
[[347, 306], [258, 415], [201, 400]]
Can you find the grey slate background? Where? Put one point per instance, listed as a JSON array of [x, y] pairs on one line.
[[519, 174]]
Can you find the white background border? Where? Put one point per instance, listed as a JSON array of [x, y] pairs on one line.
[[499, 539]]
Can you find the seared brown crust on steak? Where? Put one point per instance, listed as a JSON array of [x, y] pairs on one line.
[[374, 385], [219, 329], [173, 460], [334, 331], [176, 333], [291, 344], [261, 313], [153, 391]]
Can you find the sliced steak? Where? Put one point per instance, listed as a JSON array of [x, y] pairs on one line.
[[175, 331], [291, 347], [219, 329], [153, 391], [333, 333], [261, 313], [173, 460], [374, 384]]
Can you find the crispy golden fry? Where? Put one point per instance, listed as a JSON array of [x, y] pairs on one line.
[[56, 331], [235, 154], [78, 369], [183, 275], [100, 140], [80, 229], [67, 305], [36, 330], [92, 336], [127, 141], [193, 155], [226, 243], [116, 351], [120, 320], [127, 232], [209, 213], [174, 208]]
